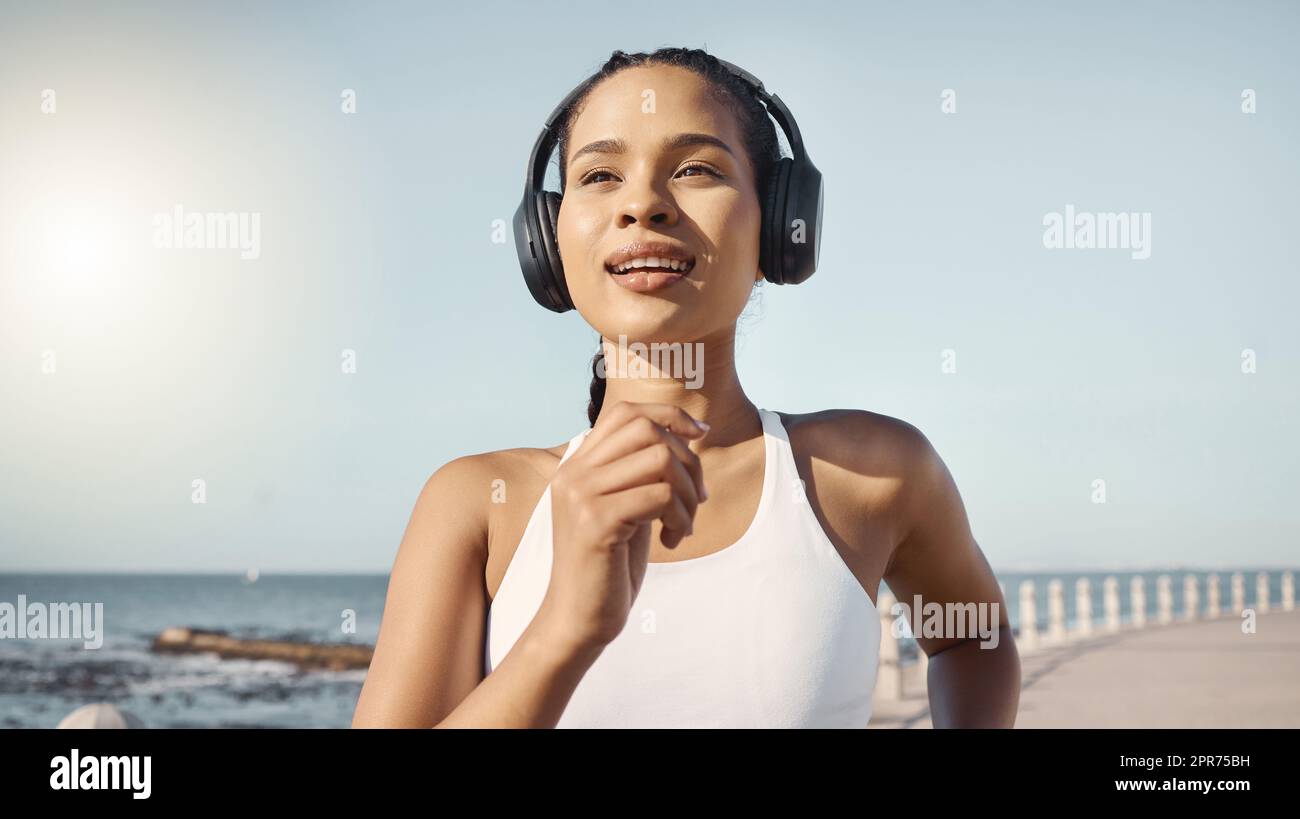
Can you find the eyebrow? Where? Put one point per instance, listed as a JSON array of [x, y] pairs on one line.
[[672, 143]]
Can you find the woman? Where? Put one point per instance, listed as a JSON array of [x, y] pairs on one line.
[[655, 571]]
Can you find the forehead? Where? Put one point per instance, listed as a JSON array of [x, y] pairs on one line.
[[642, 104]]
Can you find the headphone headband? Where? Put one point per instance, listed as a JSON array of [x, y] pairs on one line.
[[545, 143]]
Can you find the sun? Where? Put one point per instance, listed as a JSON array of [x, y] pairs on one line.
[[78, 244], [72, 247]]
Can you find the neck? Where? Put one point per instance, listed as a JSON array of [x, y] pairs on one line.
[[700, 377]]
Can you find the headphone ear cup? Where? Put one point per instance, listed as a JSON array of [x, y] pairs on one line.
[[551, 207], [771, 247], [803, 202], [534, 229], [548, 211], [539, 255]]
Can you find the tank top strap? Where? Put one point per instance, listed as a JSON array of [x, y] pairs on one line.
[[782, 471], [574, 443]]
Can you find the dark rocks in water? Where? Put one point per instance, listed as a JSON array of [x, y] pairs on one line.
[[328, 656], [88, 677]]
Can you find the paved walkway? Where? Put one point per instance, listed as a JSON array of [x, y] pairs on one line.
[[1204, 674]]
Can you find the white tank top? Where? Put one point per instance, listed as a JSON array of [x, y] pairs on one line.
[[771, 631]]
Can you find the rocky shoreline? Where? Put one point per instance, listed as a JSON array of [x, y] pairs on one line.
[[305, 655]]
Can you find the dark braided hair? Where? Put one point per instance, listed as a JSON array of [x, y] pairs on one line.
[[759, 133]]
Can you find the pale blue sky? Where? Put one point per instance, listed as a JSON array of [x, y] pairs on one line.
[[376, 236]]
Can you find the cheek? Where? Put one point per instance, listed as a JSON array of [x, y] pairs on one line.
[[578, 234], [575, 235], [734, 231]]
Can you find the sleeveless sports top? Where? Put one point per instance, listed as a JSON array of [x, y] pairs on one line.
[[771, 631]]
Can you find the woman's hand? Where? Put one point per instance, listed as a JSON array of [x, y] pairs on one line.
[[633, 468]]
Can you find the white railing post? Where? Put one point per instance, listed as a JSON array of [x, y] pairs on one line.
[[1110, 601], [1138, 600], [1288, 592], [1164, 600], [1055, 611], [1028, 639], [1261, 592], [889, 677], [1212, 591], [1238, 593], [1082, 607], [1191, 597]]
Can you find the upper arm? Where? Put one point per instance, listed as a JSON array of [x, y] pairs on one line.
[[429, 654], [937, 556]]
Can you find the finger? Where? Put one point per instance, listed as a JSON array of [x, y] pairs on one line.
[[650, 465], [640, 504], [641, 433], [650, 502], [674, 531], [667, 416]]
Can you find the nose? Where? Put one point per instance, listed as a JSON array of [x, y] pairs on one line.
[[646, 204]]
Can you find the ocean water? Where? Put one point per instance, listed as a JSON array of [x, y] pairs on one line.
[[42, 680]]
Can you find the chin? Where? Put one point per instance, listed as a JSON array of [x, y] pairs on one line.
[[648, 326]]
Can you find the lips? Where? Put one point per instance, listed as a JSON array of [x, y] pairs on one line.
[[643, 267], [650, 256]]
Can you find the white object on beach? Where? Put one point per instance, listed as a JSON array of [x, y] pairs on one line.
[[889, 669], [1164, 599], [1083, 607], [1055, 611], [101, 715], [1138, 601], [1110, 602], [1191, 597], [1028, 617]]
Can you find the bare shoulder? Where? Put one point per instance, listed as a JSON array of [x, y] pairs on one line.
[[522, 463], [459, 494], [875, 444], [873, 462]]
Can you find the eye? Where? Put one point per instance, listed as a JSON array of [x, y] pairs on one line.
[[700, 166], [590, 177]]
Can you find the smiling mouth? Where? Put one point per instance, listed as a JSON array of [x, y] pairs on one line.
[[651, 264]]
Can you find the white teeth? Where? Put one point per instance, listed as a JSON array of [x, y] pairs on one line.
[[652, 261]]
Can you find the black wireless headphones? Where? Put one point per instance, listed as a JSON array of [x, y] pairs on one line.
[[789, 242]]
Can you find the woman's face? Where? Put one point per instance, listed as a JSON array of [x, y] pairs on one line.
[[695, 196]]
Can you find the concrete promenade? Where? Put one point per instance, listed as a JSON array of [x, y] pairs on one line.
[[1185, 674]]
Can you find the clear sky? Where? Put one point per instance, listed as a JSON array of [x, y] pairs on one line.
[[376, 236]]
